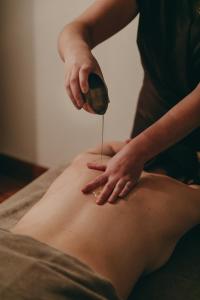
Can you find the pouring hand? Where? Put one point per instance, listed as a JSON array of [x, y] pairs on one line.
[[78, 66], [120, 175]]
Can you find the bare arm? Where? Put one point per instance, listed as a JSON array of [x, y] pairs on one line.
[[125, 168], [176, 124], [100, 21]]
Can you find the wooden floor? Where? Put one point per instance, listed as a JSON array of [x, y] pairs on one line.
[[16, 174], [9, 186]]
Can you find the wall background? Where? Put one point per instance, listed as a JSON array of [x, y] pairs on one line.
[[37, 121]]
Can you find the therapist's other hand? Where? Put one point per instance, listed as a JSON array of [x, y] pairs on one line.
[[78, 66], [119, 176]]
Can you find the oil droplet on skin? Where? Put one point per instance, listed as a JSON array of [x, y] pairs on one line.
[[96, 194]]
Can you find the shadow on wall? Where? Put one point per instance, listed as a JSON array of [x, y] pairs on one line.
[[17, 88]]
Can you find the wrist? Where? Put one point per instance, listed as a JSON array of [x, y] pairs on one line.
[[142, 147], [73, 37], [74, 48]]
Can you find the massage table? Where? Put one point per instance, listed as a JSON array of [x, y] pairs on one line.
[[179, 279]]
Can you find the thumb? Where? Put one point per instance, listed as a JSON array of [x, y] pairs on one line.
[[96, 166], [128, 141]]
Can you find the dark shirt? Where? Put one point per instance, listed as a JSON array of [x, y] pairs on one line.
[[169, 44]]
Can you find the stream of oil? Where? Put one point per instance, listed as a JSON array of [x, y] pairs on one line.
[[97, 192], [102, 135]]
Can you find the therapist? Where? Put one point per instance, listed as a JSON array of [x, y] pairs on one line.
[[167, 124]]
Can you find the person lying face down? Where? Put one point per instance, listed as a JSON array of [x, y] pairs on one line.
[[80, 250]]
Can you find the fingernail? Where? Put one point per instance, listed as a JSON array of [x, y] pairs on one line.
[[85, 89], [112, 200], [77, 105], [99, 202], [81, 102]]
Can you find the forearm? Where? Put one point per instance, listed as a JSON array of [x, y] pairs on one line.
[[176, 124], [100, 21], [74, 36]]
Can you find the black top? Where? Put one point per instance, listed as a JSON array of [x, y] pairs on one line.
[[169, 44]]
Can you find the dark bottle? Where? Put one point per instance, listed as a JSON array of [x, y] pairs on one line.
[[97, 96]]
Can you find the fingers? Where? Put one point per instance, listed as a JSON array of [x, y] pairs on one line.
[[69, 92], [83, 78], [107, 191], [128, 187], [97, 182], [111, 191], [128, 141], [87, 108], [117, 190], [97, 167], [77, 83], [75, 87]]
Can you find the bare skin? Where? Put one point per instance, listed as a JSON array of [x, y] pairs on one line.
[[100, 21], [138, 233]]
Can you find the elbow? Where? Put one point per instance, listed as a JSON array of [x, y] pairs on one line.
[[59, 47], [61, 41]]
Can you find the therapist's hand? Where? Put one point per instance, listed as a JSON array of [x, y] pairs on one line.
[[120, 175], [79, 64]]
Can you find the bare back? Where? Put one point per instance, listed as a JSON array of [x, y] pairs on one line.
[[137, 233]]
